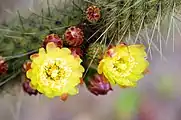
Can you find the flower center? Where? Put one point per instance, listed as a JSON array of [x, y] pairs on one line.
[[124, 67], [120, 65], [55, 70]]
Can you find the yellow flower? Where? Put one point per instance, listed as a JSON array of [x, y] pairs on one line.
[[55, 71], [124, 65]]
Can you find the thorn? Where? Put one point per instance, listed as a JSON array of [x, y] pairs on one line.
[[42, 12], [21, 21], [49, 13]]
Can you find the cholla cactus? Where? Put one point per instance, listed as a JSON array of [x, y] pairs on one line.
[[87, 28]]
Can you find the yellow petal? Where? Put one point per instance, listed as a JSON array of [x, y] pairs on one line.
[[42, 52], [100, 67], [50, 45], [29, 73], [32, 57]]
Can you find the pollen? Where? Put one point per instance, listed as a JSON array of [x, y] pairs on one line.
[[55, 70]]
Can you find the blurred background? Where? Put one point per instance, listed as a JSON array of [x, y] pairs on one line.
[[157, 96]]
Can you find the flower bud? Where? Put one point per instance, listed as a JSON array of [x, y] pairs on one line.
[[98, 85], [74, 36], [28, 89], [93, 13], [53, 38]]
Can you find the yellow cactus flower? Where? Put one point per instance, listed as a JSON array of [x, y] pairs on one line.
[[124, 65], [55, 71]]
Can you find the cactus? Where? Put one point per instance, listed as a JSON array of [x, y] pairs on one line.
[[120, 21]]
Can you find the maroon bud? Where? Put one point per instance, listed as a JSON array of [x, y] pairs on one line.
[[74, 36], [98, 85], [53, 38], [93, 13], [28, 89], [77, 51]]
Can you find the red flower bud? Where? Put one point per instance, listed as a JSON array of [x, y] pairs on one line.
[[77, 51], [93, 13], [28, 89], [98, 85], [53, 38], [74, 36]]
